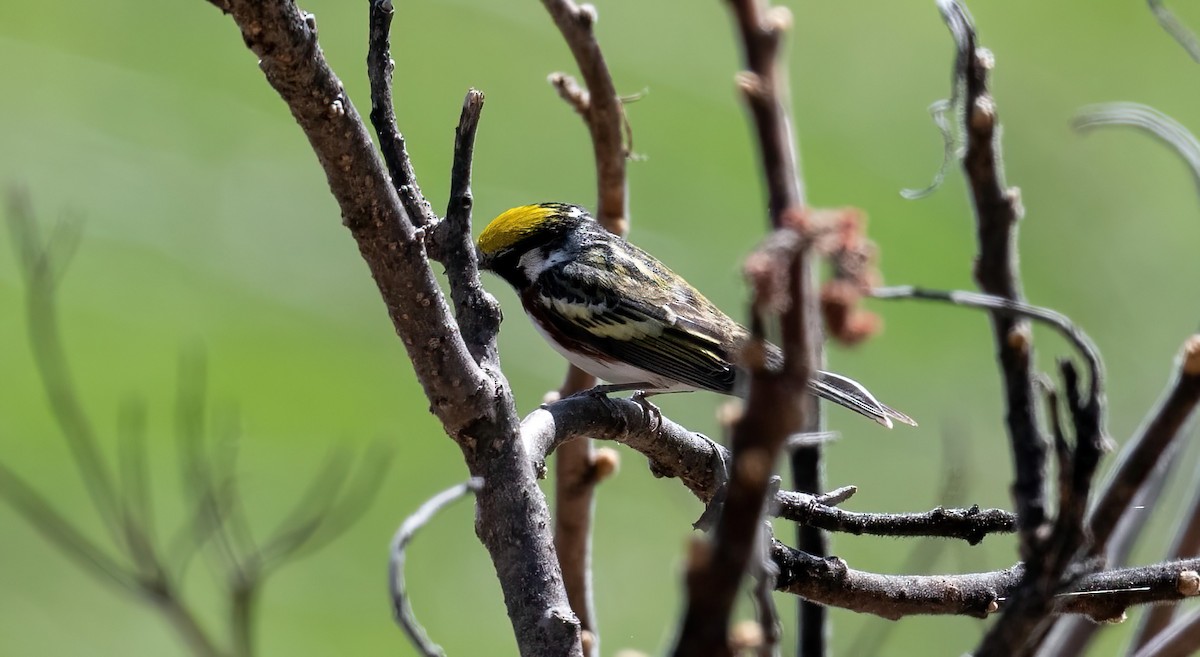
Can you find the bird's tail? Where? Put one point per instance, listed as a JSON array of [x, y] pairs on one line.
[[851, 394]]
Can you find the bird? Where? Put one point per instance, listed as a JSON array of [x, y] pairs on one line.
[[619, 314]]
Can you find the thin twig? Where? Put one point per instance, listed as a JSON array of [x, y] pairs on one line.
[[1185, 545], [1102, 596], [380, 67], [604, 115], [1000, 305], [764, 87], [1179, 639], [42, 266], [401, 607], [477, 312], [1141, 454], [765, 573], [1175, 28], [600, 107], [42, 516], [1149, 120], [997, 209], [675, 451], [1134, 486]]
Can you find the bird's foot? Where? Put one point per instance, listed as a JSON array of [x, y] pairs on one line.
[[651, 413], [712, 511]]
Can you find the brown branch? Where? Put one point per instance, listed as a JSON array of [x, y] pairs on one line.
[[997, 209], [763, 84], [476, 311], [1102, 596], [1134, 486], [574, 504], [380, 67], [674, 451], [600, 107], [1141, 454], [764, 87], [1052, 554], [473, 404], [1058, 558], [575, 466]]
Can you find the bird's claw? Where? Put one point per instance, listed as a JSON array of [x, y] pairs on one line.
[[716, 505], [651, 413]]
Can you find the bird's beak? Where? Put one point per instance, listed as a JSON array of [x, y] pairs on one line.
[[484, 260]]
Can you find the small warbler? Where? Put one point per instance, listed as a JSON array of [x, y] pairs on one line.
[[617, 313]]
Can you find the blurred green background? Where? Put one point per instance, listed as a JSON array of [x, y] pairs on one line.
[[208, 221]]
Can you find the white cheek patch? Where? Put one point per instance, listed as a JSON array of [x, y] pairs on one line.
[[534, 262]]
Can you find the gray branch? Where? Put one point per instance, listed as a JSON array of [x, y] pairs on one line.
[[473, 403]]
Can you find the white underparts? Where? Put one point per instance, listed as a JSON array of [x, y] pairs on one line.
[[611, 371]]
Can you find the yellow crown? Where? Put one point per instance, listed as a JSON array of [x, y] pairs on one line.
[[516, 224]]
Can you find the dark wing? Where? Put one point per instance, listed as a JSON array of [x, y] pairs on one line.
[[650, 330], [845, 392]]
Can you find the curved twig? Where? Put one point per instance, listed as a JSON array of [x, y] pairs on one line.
[[1149, 120], [1175, 28], [1060, 322], [401, 607]]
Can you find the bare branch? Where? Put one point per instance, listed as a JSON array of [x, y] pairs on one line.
[[675, 451], [1175, 28], [1103, 596], [1149, 120], [1141, 454], [43, 263], [971, 524], [285, 42], [380, 67], [401, 607], [600, 107], [574, 506], [1134, 484], [1000, 305], [473, 404], [477, 312], [330, 504], [997, 209], [604, 115], [763, 84], [56, 529], [1055, 559]]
